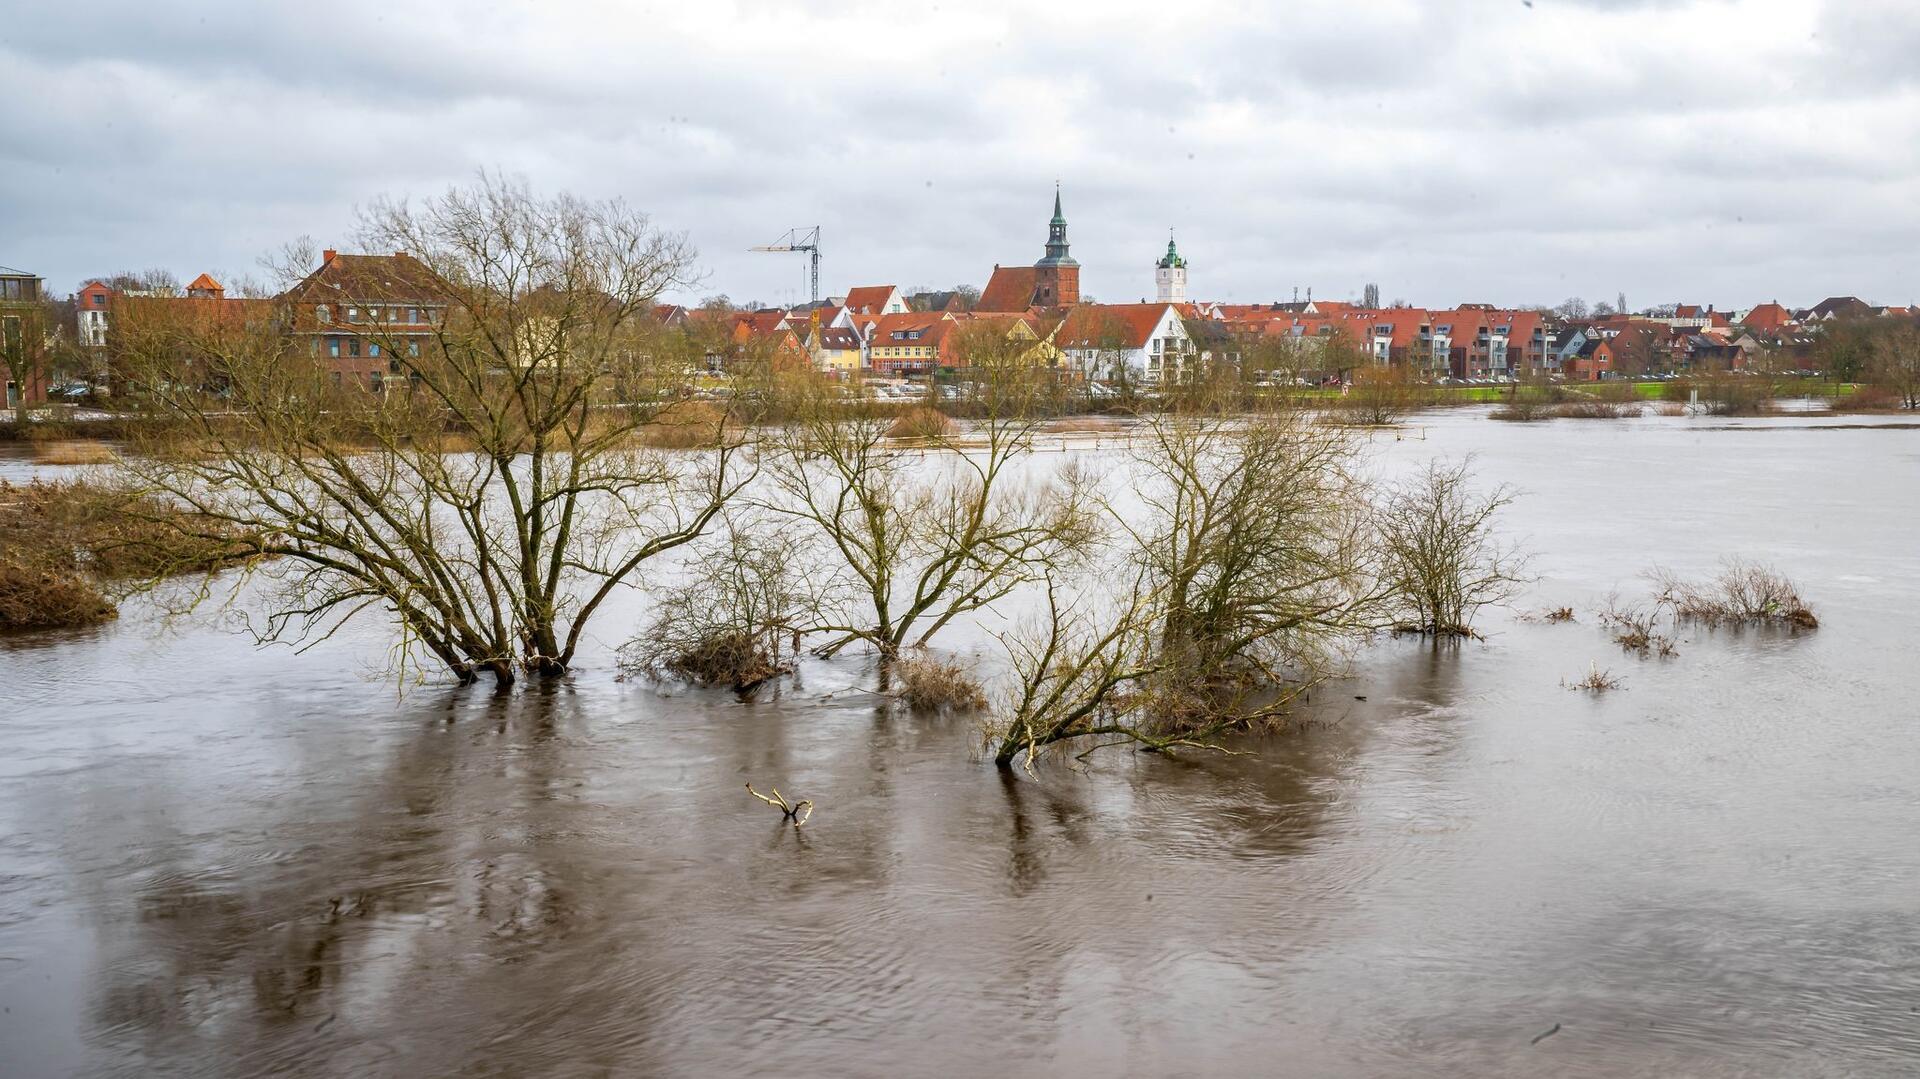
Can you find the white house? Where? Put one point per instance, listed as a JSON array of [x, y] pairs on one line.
[[1146, 341]]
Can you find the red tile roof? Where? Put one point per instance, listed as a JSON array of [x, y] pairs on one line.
[[869, 298], [1109, 325], [1768, 318], [1009, 289]]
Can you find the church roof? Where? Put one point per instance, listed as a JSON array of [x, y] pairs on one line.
[[1009, 289]]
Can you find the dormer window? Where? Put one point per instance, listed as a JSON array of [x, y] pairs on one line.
[[323, 313], [353, 314]]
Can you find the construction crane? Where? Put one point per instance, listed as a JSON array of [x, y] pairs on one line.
[[801, 239]]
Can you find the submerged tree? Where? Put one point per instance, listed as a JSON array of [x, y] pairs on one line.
[[1442, 558], [476, 476], [1249, 576], [920, 538], [735, 618]]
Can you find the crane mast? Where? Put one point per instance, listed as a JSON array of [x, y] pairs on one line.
[[801, 239]]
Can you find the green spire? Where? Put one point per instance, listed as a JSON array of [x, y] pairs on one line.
[[1172, 258], [1057, 236]]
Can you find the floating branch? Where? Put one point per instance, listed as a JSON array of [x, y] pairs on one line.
[[789, 811]]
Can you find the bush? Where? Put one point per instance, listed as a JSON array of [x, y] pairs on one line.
[[1744, 593], [684, 425], [1725, 394], [44, 596], [73, 452], [921, 422], [740, 659], [1596, 681], [736, 620], [1598, 410], [1637, 629], [60, 541], [929, 684]]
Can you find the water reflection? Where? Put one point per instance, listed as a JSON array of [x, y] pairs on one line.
[[214, 859]]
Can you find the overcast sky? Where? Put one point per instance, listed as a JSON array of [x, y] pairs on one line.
[[1452, 152]]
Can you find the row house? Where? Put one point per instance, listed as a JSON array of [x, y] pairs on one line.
[[1475, 341], [907, 343], [22, 338], [360, 315]]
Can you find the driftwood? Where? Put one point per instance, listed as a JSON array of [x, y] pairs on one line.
[[789, 811]]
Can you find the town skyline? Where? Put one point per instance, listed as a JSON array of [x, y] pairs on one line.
[[1513, 154]]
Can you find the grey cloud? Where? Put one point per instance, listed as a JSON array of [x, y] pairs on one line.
[[1485, 150]]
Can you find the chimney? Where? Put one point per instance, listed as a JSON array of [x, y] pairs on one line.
[[327, 256]]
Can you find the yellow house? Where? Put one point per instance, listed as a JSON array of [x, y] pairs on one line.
[[836, 350]]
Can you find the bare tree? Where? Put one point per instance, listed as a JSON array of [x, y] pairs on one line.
[[1250, 576], [1381, 395], [1896, 361], [924, 535], [735, 618], [1072, 668], [1442, 558], [476, 485]]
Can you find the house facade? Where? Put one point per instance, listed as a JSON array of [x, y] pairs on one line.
[[360, 314], [1144, 342], [22, 338]]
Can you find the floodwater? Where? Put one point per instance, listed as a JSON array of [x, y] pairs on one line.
[[222, 860]]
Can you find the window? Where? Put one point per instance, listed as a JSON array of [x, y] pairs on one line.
[[413, 348], [353, 314], [413, 314], [333, 346], [375, 382], [323, 313], [335, 378], [99, 299], [353, 346], [373, 349]]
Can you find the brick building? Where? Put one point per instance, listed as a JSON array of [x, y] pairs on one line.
[[1054, 281]]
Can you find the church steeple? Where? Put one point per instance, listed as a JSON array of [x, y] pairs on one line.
[[1057, 236]]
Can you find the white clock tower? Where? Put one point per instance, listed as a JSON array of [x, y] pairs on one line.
[[1170, 275]]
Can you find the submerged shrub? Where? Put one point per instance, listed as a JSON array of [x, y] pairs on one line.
[[61, 542], [1598, 410], [1638, 629], [684, 425], [48, 597], [1744, 593], [735, 621], [931, 684], [923, 423], [1596, 680], [73, 452]]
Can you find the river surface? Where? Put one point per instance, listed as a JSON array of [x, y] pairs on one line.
[[223, 860]]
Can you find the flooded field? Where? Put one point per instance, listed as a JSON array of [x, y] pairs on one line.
[[216, 859]]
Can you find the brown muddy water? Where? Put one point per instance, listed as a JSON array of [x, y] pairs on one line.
[[222, 860]]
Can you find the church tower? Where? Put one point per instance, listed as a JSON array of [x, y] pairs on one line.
[[1170, 275], [1056, 278]]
